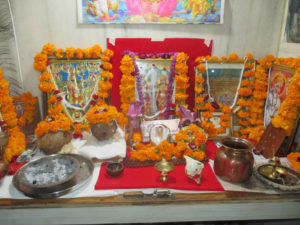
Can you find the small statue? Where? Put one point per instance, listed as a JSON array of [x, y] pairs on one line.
[[135, 115], [188, 117]]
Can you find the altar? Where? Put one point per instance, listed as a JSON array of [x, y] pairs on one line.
[[125, 111]]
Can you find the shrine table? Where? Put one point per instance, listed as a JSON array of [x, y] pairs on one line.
[[135, 208]]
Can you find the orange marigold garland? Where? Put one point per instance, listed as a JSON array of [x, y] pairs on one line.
[[256, 127], [16, 141], [130, 76], [288, 110], [181, 78], [105, 114], [245, 96], [30, 107], [46, 84], [190, 141]]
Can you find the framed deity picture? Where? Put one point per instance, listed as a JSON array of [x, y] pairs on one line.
[[77, 81], [152, 80], [155, 76], [219, 82], [279, 78], [145, 11]]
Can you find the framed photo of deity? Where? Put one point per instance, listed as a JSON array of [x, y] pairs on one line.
[[279, 78], [77, 83], [150, 79], [217, 81], [154, 81], [146, 11]]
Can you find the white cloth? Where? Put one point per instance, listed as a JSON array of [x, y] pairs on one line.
[[92, 148]]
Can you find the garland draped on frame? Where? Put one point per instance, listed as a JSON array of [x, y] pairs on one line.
[[288, 110], [131, 76], [16, 141], [54, 99], [209, 107], [255, 127]]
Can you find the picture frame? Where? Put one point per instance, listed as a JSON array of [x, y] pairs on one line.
[[220, 84], [289, 40], [154, 75], [150, 79], [77, 83], [278, 81], [279, 78], [142, 11]]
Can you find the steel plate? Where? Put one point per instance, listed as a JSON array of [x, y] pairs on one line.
[[86, 169]]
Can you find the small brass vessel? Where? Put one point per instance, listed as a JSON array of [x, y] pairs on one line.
[[164, 167]]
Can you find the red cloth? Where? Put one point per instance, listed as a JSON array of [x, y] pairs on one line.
[[211, 149], [149, 177], [194, 47], [14, 166]]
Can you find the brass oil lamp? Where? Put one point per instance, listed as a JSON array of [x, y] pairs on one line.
[[164, 167]]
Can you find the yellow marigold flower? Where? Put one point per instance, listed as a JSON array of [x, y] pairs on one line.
[[79, 53], [233, 56], [70, 53], [48, 49], [201, 68], [199, 79], [59, 53], [182, 57], [109, 53]]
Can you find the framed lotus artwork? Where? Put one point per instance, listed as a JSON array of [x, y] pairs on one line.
[[149, 11], [152, 80]]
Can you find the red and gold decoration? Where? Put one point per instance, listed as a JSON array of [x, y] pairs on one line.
[[9, 122]]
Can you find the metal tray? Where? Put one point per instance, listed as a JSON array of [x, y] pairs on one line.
[[278, 177], [86, 169]]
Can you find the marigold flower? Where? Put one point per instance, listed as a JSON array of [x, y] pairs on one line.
[[233, 56]]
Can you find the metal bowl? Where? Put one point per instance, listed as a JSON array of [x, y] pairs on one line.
[[279, 177], [48, 174]]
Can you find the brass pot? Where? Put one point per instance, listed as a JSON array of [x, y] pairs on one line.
[[234, 160], [3, 142], [103, 131], [52, 142]]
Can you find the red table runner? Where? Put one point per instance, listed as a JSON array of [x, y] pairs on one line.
[[148, 177]]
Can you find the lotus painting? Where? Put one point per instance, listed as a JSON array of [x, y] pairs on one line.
[[151, 11]]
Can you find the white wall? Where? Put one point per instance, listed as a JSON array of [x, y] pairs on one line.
[[249, 26]]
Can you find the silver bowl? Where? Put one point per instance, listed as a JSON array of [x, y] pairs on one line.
[[47, 174]]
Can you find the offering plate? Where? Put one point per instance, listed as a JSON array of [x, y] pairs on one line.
[[80, 174], [279, 177]]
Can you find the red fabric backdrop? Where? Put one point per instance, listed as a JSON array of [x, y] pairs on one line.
[[194, 47]]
